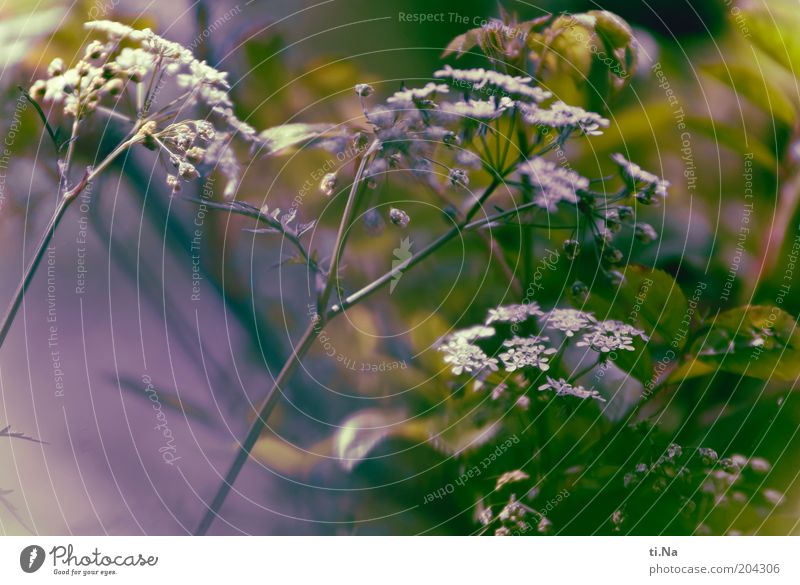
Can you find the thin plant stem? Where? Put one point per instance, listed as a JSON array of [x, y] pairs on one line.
[[63, 204], [323, 317], [19, 294], [300, 350], [377, 284]]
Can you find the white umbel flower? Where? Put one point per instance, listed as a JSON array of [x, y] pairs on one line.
[[513, 313], [564, 388], [471, 334], [466, 357], [515, 87], [553, 183], [527, 352], [565, 117], [644, 183], [608, 336], [417, 97], [478, 109], [569, 321]]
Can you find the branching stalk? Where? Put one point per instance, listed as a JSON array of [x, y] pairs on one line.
[[300, 350]]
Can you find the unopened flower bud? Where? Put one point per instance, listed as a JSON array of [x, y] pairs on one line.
[[458, 178], [205, 130], [580, 291], [95, 50], [450, 138], [645, 233], [328, 184], [364, 90], [625, 212], [187, 171], [39, 88], [399, 217], [612, 255], [56, 67], [572, 248], [114, 87], [173, 183], [195, 154]]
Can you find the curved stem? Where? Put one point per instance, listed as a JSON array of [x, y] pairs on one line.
[[380, 282], [300, 350], [63, 204], [19, 294]]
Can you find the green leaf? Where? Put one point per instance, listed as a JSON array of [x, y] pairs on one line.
[[756, 88], [735, 139], [756, 341], [612, 28], [773, 28], [362, 432], [280, 139], [648, 298]]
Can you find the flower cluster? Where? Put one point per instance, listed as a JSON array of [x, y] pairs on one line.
[[110, 67], [481, 350], [610, 336], [569, 321], [516, 517], [527, 352], [701, 477], [465, 357], [552, 183], [515, 87], [565, 118], [564, 388], [513, 313], [421, 97], [646, 187]]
